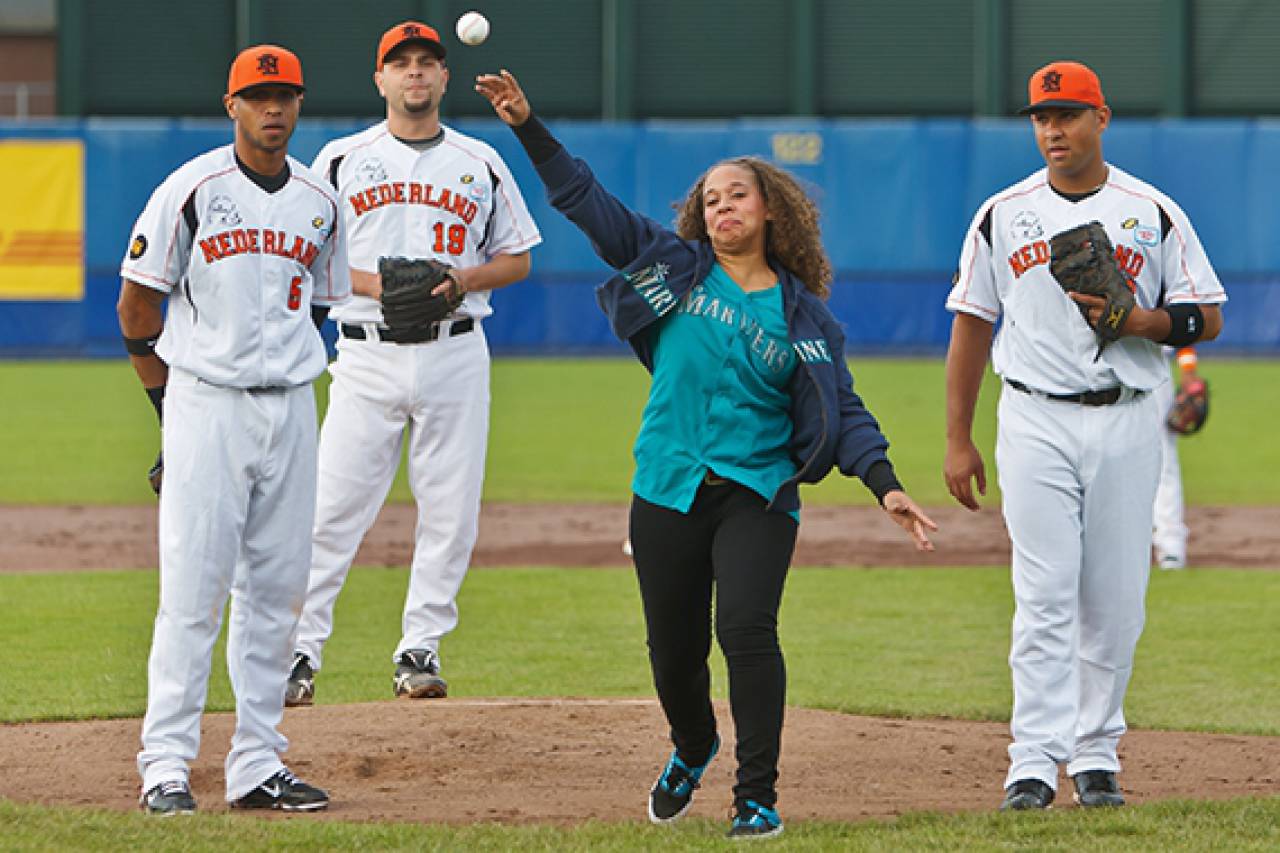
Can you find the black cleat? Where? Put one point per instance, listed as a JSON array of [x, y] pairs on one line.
[[1025, 795], [286, 792], [301, 690], [1097, 788], [168, 799], [418, 675]]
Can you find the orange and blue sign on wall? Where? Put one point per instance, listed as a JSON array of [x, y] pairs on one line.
[[42, 220]]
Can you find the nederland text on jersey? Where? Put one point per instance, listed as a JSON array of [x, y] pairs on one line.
[[240, 241], [399, 192]]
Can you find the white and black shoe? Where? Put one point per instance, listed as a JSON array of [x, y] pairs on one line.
[[418, 675], [301, 690], [286, 792], [168, 799]]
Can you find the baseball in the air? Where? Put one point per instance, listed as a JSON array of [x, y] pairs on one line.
[[472, 28]]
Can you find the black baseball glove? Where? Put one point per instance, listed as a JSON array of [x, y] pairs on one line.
[[1190, 408], [407, 301], [1083, 261]]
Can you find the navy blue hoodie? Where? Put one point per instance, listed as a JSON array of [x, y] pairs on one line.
[[657, 268]]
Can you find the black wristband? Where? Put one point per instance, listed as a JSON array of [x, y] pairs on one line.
[[538, 142], [141, 346], [156, 396], [1186, 324], [881, 480]]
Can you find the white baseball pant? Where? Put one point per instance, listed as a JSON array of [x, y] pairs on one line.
[[236, 511], [440, 392], [1078, 484], [1171, 531]]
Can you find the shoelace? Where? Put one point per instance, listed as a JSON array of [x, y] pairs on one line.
[[422, 661], [679, 774], [286, 776], [760, 816], [171, 787]]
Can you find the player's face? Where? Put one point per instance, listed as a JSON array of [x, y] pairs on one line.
[[413, 80], [1070, 140], [265, 116], [733, 209]]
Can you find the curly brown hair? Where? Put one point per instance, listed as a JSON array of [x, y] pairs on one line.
[[792, 235]]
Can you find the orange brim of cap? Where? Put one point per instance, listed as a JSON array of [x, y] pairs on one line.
[[1060, 103]]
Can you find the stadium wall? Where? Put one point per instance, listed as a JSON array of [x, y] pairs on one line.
[[896, 195]]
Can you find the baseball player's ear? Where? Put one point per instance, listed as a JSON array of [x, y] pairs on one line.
[[377, 83], [1104, 117], [229, 103]]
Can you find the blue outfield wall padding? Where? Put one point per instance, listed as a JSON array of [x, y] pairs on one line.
[[896, 197]]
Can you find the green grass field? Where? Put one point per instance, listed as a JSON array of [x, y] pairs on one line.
[[849, 636], [562, 430]]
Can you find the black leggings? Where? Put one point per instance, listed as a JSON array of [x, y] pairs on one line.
[[730, 542]]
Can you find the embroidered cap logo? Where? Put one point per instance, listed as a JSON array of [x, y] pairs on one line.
[[412, 31], [269, 63], [1051, 82]]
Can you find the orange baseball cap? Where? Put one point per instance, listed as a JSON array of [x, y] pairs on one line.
[[407, 32], [263, 64], [1063, 84]]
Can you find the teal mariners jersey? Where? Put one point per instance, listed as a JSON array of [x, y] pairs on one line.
[[719, 401]]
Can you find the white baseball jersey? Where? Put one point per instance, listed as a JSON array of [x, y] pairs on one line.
[[1044, 341], [248, 265], [455, 202]]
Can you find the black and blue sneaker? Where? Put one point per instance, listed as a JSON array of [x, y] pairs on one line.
[[754, 821], [673, 792]]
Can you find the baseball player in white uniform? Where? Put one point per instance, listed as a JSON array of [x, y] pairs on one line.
[[246, 241], [1171, 531], [410, 187], [1079, 447]]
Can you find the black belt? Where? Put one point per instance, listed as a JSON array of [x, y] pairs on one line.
[[424, 335], [1089, 398]]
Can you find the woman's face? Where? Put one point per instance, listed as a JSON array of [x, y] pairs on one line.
[[733, 209]]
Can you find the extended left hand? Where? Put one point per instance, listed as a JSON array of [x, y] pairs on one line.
[[506, 96], [910, 518]]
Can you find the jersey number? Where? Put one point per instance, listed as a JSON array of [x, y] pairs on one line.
[[457, 239], [295, 293]]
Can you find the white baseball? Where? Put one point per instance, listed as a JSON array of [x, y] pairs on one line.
[[472, 28]]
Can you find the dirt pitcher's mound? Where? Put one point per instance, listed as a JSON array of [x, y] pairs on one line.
[[570, 760]]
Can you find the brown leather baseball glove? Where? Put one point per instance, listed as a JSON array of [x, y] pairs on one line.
[[1190, 408], [407, 301], [1082, 260]]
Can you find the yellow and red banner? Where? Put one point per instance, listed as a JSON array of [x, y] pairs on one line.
[[42, 219]]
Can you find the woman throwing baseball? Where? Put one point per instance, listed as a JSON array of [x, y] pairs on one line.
[[750, 397]]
